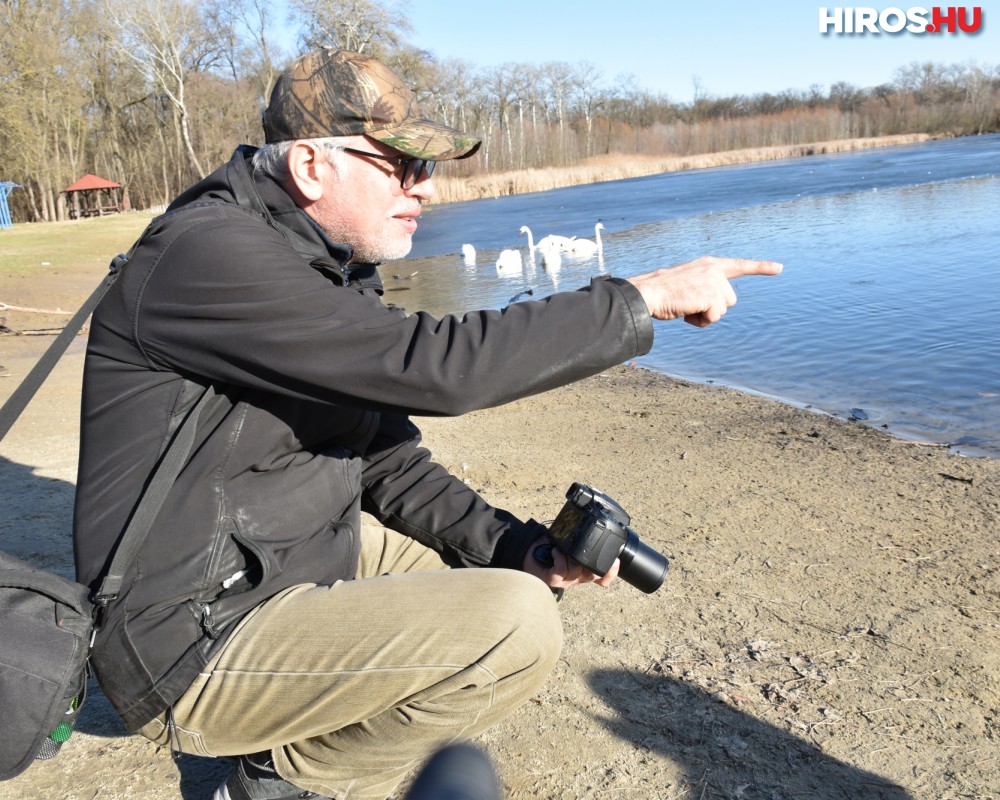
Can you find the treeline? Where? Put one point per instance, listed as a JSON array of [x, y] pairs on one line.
[[154, 94]]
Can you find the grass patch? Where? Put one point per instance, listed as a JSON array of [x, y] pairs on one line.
[[28, 248]]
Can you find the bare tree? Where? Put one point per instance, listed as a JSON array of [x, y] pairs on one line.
[[589, 98], [167, 41], [20, 35], [364, 26], [925, 81], [251, 53], [531, 110], [456, 94], [43, 121], [627, 105], [848, 98], [558, 78], [976, 85], [504, 84]]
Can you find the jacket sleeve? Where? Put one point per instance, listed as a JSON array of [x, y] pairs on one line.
[[407, 491], [226, 300]]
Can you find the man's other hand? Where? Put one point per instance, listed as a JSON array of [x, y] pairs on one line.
[[563, 572]]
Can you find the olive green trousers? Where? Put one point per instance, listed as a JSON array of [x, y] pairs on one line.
[[351, 686]]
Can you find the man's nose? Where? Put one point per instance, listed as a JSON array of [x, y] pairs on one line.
[[423, 189]]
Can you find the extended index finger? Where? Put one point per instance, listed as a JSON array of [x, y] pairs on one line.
[[736, 267]]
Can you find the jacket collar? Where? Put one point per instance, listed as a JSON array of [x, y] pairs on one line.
[[235, 182]]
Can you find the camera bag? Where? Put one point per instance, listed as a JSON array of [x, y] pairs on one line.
[[47, 622]]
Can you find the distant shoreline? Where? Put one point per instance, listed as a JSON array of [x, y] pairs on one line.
[[617, 166]]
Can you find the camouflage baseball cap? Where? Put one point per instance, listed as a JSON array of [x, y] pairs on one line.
[[339, 93]]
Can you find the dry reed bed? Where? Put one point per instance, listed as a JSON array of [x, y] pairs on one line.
[[617, 167]]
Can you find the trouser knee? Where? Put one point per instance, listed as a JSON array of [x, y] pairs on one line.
[[532, 616]]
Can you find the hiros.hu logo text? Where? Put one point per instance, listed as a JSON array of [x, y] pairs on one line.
[[864, 19]]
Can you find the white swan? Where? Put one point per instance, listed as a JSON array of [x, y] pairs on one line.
[[469, 255], [509, 262], [585, 248], [554, 241], [531, 240], [545, 241], [551, 257]]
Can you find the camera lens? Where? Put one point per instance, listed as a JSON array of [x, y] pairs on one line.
[[641, 565]]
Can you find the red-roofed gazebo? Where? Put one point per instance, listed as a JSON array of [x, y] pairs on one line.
[[99, 197]]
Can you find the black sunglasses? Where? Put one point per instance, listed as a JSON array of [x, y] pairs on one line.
[[414, 169]]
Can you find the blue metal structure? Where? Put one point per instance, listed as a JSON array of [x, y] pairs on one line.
[[6, 187]]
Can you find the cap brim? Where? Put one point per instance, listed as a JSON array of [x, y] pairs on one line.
[[423, 138]]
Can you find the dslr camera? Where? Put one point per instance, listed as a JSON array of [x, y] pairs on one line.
[[593, 530]]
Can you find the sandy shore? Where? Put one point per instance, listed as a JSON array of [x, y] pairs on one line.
[[830, 627]]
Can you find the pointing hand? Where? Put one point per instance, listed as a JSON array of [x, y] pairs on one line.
[[699, 290]]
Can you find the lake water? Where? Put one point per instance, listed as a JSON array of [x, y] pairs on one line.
[[888, 308]]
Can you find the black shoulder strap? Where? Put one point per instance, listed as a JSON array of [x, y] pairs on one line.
[[164, 475], [17, 402]]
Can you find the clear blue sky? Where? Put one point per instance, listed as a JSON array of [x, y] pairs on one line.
[[729, 47]]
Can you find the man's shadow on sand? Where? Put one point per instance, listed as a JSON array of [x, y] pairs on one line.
[[198, 777], [724, 752], [36, 523]]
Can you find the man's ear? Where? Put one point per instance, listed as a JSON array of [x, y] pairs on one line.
[[305, 165]]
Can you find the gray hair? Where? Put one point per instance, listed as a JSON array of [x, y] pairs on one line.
[[272, 159]]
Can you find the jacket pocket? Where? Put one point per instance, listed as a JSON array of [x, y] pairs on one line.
[[323, 557]]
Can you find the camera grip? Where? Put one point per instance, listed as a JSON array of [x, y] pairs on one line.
[[543, 555]]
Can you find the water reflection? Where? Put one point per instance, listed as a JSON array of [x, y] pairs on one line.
[[888, 303]]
